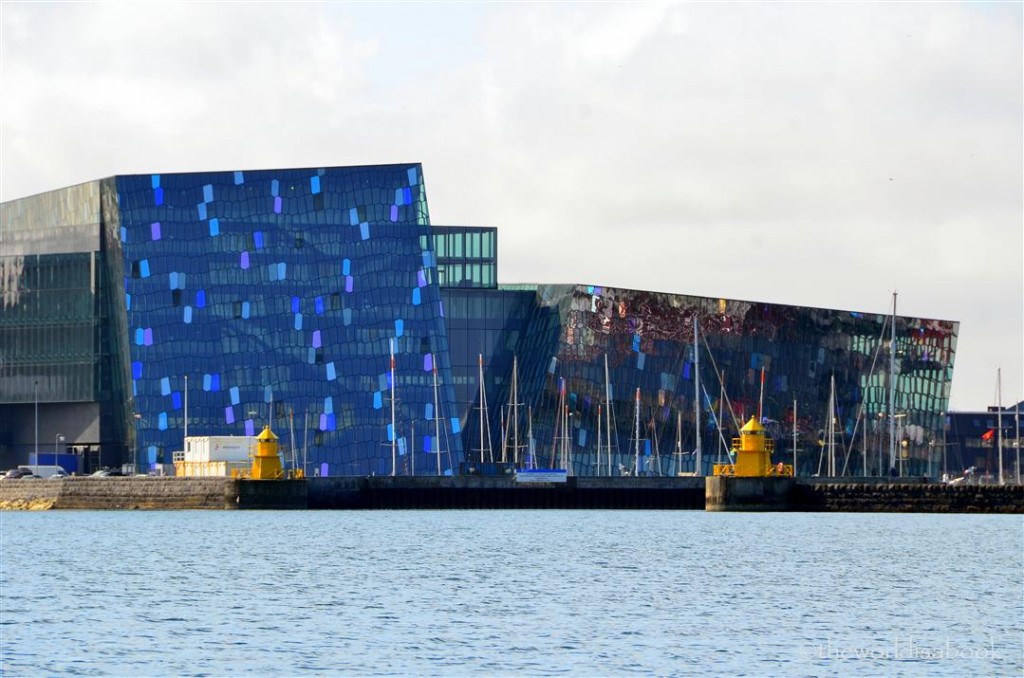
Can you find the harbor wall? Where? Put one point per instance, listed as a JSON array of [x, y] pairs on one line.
[[907, 498], [482, 492], [725, 493], [487, 492], [166, 493]]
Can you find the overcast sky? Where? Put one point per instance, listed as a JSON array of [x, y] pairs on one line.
[[806, 153]]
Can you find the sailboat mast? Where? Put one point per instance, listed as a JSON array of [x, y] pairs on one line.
[[832, 427], [698, 462], [679, 441], [864, 441], [503, 431], [291, 433], [531, 450], [515, 410], [760, 399], [608, 414], [437, 422], [999, 419], [1016, 414], [480, 377], [565, 439], [394, 433], [892, 386], [598, 459], [794, 437], [721, 413], [636, 433]]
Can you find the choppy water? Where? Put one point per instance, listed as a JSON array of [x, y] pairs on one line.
[[510, 592]]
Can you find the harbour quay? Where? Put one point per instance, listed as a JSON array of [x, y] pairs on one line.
[[482, 492]]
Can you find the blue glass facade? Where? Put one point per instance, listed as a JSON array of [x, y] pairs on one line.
[[276, 296], [280, 295], [563, 334]]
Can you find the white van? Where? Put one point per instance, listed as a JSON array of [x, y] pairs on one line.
[[47, 471]]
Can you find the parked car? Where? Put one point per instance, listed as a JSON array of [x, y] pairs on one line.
[[108, 473], [16, 473]]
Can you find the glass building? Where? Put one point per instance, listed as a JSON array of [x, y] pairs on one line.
[[303, 298], [630, 355], [233, 299]]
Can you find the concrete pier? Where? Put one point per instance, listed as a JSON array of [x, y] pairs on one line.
[[484, 492], [726, 493]]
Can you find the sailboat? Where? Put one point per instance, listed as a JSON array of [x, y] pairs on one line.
[[828, 450], [437, 426], [485, 425], [512, 421], [608, 414], [698, 459], [394, 431]]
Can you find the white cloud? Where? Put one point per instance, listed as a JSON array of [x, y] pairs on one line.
[[849, 148]]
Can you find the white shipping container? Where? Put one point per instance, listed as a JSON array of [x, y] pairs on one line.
[[209, 469], [218, 448]]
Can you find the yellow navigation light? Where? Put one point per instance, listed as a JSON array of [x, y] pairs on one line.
[[753, 454], [266, 463]]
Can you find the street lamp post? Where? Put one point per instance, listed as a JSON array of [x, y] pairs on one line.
[[137, 452], [56, 441], [35, 386]]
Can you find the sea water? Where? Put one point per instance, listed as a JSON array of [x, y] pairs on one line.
[[588, 593]]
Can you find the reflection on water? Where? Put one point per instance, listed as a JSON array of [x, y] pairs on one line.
[[503, 592]]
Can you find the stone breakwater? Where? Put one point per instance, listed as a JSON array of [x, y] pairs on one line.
[[150, 493], [908, 498], [476, 492]]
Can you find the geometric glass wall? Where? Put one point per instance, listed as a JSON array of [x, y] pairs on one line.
[[280, 295], [647, 340]]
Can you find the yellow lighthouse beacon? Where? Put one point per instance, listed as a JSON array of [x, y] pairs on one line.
[[266, 463], [753, 455]]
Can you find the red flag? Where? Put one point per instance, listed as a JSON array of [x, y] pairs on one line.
[[987, 435]]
